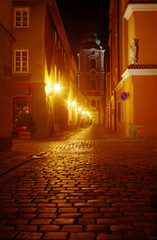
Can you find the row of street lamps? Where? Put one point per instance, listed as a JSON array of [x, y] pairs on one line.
[[71, 103]]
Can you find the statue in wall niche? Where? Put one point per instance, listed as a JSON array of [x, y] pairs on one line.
[[133, 51]]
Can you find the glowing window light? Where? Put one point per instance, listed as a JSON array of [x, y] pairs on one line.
[[57, 87]]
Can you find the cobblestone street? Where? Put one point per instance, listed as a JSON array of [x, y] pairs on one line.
[[91, 185]]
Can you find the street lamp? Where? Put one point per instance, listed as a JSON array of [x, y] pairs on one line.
[[73, 103], [48, 89], [57, 87]]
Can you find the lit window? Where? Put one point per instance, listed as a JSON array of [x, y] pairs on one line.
[[21, 18], [21, 61]]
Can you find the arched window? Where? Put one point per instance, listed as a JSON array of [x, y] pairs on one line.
[[93, 84], [93, 63]]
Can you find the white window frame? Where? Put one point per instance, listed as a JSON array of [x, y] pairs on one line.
[[21, 63], [21, 18]]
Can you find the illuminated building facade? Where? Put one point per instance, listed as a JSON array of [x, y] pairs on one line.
[[133, 68], [44, 71], [6, 41], [91, 75]]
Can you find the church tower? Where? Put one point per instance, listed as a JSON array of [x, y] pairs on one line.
[[91, 75]]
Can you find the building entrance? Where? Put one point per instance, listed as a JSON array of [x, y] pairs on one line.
[[22, 120]]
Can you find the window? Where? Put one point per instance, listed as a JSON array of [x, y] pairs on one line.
[[93, 63], [21, 18], [21, 61]]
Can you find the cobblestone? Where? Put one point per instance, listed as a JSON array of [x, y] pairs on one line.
[[90, 186]]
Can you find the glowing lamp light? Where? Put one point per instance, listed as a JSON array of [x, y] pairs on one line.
[[73, 103], [68, 102], [57, 87], [79, 109], [48, 88]]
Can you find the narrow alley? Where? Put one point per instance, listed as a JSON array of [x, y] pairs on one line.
[[90, 185]]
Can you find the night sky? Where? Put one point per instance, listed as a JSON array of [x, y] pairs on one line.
[[77, 15]]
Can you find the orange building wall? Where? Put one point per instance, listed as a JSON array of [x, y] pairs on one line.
[[6, 41], [145, 29], [126, 108], [131, 35], [140, 107], [145, 104], [125, 54], [33, 40]]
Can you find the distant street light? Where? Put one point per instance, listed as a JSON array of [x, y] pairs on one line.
[[57, 87], [73, 103]]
